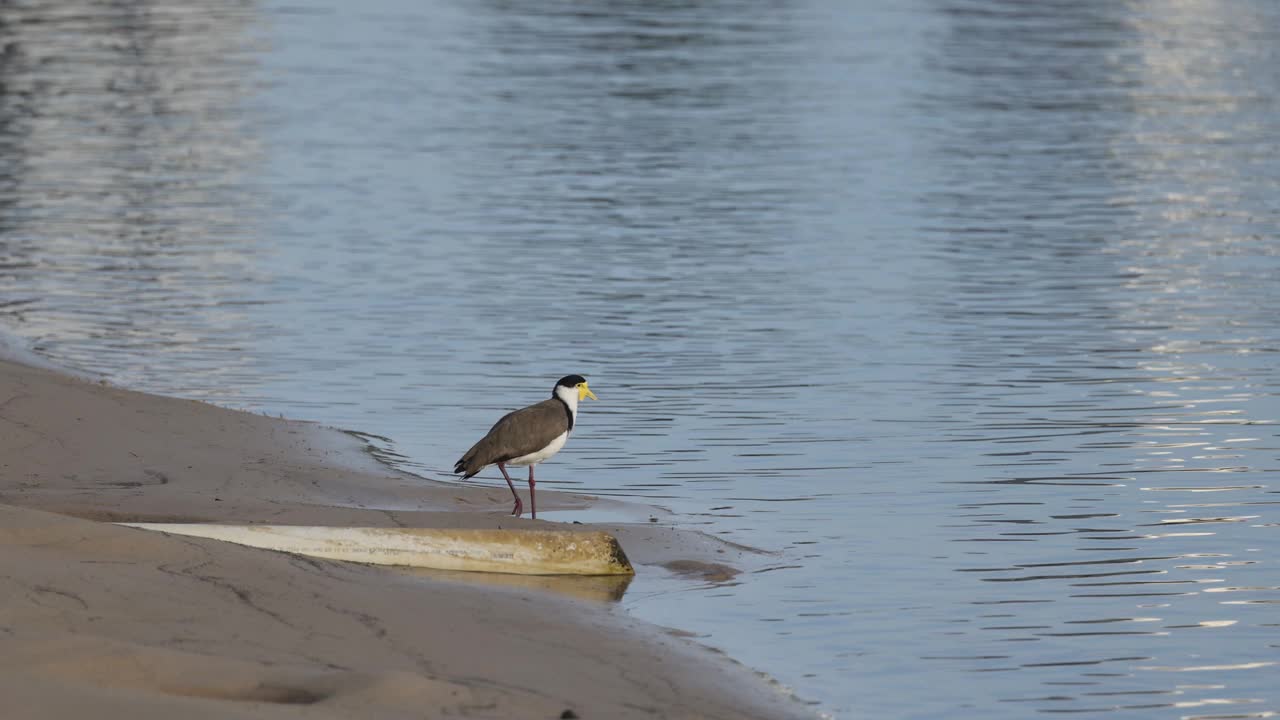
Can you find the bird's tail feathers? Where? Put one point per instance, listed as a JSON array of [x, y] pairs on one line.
[[466, 467]]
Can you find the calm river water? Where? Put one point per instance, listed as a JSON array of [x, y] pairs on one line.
[[966, 307]]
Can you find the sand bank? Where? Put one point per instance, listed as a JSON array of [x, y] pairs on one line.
[[107, 621]]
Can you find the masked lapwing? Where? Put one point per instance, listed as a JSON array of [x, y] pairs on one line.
[[528, 436]]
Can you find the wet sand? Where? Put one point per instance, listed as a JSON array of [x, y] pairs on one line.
[[107, 621]]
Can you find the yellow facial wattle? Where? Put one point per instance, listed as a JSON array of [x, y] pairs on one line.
[[585, 392]]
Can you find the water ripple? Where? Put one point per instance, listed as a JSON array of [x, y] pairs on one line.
[[966, 307]]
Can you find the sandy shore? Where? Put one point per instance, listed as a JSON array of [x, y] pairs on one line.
[[104, 621]]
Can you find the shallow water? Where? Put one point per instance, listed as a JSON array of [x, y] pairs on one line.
[[966, 307]]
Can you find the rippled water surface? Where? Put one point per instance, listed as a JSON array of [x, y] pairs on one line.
[[966, 307]]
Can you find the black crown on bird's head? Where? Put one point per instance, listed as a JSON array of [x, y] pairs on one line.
[[570, 381]]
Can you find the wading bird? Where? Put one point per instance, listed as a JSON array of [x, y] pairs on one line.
[[528, 436]]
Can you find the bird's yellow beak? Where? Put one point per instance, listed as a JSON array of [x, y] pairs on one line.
[[585, 392]]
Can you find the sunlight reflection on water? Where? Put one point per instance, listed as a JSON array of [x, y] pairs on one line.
[[964, 306]]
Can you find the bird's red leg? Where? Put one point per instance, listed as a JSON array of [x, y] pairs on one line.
[[533, 502], [519, 508]]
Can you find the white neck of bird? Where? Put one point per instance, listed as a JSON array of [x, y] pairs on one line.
[[570, 397]]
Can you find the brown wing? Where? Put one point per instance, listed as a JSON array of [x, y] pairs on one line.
[[518, 433]]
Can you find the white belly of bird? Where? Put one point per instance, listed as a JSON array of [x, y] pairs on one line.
[[534, 458]]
